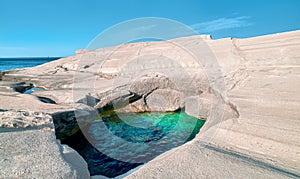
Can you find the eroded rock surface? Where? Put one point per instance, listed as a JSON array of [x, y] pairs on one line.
[[252, 123], [265, 132], [29, 148], [24, 119], [33, 153]]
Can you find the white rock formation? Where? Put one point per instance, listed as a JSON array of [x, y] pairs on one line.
[[259, 133]]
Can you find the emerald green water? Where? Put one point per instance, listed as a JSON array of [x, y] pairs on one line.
[[150, 127], [119, 142]]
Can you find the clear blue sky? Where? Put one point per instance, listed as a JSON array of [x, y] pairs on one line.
[[59, 27]]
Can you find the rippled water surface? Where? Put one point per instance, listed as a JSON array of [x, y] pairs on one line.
[[13, 63], [120, 142]]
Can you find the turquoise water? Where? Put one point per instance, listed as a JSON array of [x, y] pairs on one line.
[[120, 142], [32, 89]]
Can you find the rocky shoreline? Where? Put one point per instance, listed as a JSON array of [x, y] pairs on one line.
[[257, 135]]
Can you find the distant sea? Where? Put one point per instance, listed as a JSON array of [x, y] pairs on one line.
[[13, 63]]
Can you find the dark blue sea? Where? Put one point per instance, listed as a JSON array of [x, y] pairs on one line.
[[13, 63]]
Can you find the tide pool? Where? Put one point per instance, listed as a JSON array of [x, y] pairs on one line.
[[119, 142]]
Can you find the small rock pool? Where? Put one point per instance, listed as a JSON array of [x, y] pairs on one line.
[[119, 142], [29, 91]]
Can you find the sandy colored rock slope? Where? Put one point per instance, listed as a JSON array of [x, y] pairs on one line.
[[266, 94]]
